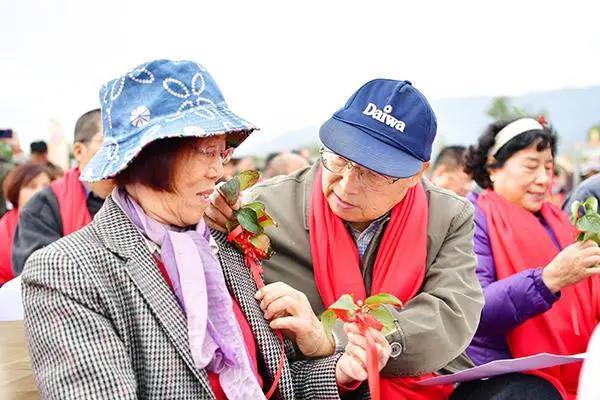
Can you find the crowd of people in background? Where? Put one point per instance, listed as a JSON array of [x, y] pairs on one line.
[[483, 232]]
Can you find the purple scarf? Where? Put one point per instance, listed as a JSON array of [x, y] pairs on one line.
[[215, 338]]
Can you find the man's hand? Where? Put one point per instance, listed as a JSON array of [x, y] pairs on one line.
[[352, 365], [289, 310], [219, 212]]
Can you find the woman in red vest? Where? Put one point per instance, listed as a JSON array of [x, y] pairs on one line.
[[19, 186]]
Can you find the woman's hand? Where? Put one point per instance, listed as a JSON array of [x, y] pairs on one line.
[[352, 365], [289, 310], [573, 264]]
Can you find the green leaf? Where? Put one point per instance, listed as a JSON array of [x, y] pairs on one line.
[[575, 211], [248, 179], [265, 219], [230, 190], [591, 205], [589, 223], [261, 242], [328, 319], [591, 236], [383, 298], [249, 221], [345, 302], [386, 318], [256, 206]]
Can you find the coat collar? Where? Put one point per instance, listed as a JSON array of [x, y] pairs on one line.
[[116, 231], [307, 187]]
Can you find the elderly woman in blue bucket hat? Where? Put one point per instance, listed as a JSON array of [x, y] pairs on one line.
[[145, 302]]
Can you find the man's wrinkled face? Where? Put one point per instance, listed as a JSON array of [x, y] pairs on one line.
[[353, 199]]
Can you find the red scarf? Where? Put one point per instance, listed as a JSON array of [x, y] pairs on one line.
[[519, 241], [399, 267], [8, 225], [72, 202]]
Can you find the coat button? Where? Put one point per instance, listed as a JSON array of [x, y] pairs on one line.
[[396, 349]]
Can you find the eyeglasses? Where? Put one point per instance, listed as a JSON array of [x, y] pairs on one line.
[[338, 165], [213, 153]]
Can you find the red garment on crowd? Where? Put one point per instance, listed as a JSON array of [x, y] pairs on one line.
[[8, 225], [72, 201]]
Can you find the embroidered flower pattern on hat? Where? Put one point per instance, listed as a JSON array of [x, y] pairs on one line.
[[200, 106], [140, 116], [139, 74], [117, 88]]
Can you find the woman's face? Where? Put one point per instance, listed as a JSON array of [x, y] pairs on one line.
[[525, 178], [38, 183], [194, 178]]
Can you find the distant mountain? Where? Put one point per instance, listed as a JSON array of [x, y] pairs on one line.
[[571, 111], [267, 142], [461, 120]]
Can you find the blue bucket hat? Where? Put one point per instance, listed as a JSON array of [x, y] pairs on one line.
[[157, 100], [387, 126]]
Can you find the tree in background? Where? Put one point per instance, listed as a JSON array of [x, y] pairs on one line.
[[502, 109], [593, 135]]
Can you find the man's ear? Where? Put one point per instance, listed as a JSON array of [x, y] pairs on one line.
[[78, 149], [424, 169], [417, 177]]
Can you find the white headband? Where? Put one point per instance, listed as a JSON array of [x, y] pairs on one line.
[[512, 130]]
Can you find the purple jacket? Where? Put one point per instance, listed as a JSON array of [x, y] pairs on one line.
[[509, 301]]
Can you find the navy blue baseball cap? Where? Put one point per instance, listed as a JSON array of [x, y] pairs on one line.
[[386, 126]]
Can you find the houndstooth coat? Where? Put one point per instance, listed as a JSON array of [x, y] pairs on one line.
[[102, 323]]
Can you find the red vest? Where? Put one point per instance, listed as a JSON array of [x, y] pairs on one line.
[[72, 204]]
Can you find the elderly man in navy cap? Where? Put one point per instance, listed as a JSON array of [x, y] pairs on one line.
[[364, 221]]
